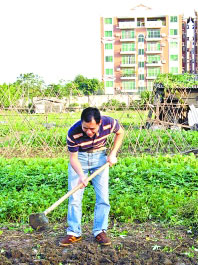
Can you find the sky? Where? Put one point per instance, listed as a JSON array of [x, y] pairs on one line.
[[59, 39]]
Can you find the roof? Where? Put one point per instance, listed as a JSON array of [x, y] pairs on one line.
[[145, 11]]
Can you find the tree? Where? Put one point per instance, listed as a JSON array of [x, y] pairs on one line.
[[88, 86], [32, 85], [9, 95]]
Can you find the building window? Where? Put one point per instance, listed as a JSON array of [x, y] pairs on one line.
[[108, 46], [141, 89], [126, 47], [108, 58], [174, 57], [173, 44], [141, 64], [173, 32], [109, 84], [128, 59], [109, 71], [173, 19], [128, 85], [108, 33], [141, 38], [174, 70], [153, 71], [153, 33], [128, 72], [155, 46], [141, 77], [128, 34], [108, 20], [140, 51], [150, 85], [153, 58]]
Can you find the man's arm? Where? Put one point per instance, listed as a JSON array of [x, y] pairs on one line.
[[75, 163], [119, 135]]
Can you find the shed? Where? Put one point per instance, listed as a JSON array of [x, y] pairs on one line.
[[48, 105], [171, 106]]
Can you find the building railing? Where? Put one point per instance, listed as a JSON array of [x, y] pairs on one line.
[[153, 24], [125, 25]]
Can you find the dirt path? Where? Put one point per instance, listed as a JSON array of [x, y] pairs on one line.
[[137, 244]]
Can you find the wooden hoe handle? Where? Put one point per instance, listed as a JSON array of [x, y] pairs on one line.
[[64, 197]]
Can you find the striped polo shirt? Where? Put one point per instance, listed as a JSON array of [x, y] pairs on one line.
[[78, 141]]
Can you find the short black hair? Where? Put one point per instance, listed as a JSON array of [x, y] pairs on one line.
[[91, 113]]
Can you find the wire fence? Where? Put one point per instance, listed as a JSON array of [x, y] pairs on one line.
[[156, 124]]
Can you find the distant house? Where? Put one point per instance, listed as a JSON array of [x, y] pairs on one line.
[[48, 105]]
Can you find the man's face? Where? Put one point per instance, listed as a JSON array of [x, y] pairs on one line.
[[90, 128]]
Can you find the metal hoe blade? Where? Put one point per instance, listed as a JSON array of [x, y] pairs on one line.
[[38, 221]]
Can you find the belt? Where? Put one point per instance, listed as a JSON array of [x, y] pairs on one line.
[[95, 150]]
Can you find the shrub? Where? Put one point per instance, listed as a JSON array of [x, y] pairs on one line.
[[114, 104]]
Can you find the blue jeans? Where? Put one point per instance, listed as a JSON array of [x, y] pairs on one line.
[[89, 162]]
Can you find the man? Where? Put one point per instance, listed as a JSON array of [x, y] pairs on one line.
[[86, 143]]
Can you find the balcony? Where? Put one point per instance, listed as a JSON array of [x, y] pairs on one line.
[[151, 77], [140, 24], [154, 52], [127, 52], [130, 91], [127, 39], [109, 77], [128, 64], [153, 24], [154, 38], [128, 77], [127, 25], [108, 39], [154, 63]]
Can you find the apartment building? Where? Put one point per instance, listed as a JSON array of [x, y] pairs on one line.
[[136, 47], [196, 40], [189, 45]]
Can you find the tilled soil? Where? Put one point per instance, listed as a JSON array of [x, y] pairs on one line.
[[137, 244]]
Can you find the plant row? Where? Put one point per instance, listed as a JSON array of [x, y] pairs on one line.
[[135, 141], [143, 188]]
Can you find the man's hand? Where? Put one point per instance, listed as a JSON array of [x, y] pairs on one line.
[[112, 159], [83, 180]]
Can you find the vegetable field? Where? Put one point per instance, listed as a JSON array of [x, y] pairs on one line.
[[163, 188], [153, 217]]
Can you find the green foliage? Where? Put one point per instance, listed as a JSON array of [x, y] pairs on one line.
[[9, 95], [171, 81], [73, 106], [88, 86], [113, 104], [160, 141], [141, 188], [85, 105], [30, 85], [145, 98]]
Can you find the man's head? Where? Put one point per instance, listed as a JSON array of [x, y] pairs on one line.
[[91, 120]]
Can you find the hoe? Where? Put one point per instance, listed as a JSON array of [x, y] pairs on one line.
[[39, 221]]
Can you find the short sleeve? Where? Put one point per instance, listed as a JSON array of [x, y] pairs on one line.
[[116, 126], [71, 143]]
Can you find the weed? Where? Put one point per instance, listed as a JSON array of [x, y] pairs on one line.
[[167, 249], [28, 230]]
